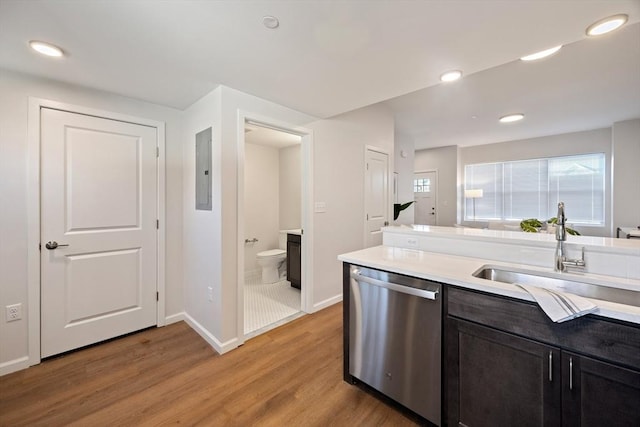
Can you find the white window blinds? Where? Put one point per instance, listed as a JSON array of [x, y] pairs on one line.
[[532, 189]]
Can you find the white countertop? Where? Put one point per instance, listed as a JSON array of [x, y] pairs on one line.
[[608, 244], [297, 231], [458, 270]]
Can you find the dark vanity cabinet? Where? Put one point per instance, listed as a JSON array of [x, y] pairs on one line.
[[294, 259], [508, 364]]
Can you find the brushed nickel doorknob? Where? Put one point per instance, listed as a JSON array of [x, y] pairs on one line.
[[53, 245]]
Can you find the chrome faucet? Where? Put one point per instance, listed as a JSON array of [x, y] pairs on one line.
[[561, 260]]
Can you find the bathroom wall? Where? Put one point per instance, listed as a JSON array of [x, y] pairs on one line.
[[211, 238], [338, 173], [290, 188], [261, 200]]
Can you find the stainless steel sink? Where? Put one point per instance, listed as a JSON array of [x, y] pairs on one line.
[[556, 281]]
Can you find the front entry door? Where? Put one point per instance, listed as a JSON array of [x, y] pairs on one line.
[[425, 185], [98, 229], [376, 196]]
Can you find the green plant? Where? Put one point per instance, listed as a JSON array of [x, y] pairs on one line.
[[399, 207], [530, 225], [533, 225], [554, 221]]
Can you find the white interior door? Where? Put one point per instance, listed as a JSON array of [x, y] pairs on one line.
[[376, 196], [425, 187], [99, 205]]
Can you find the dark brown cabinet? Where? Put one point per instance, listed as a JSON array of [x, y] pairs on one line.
[[498, 379], [496, 375], [294, 260], [597, 393]]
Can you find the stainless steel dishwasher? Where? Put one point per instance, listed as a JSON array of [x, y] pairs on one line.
[[395, 338]]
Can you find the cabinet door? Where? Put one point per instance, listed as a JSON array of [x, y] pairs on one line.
[[294, 260], [498, 379], [598, 394]]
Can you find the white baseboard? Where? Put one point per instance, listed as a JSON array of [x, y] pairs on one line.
[[220, 347], [174, 318], [326, 303], [14, 365]]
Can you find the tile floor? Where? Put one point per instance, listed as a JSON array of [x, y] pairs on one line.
[[268, 306]]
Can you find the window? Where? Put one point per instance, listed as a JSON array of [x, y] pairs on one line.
[[532, 189], [422, 185]]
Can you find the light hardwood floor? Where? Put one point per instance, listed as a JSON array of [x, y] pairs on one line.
[[290, 376]]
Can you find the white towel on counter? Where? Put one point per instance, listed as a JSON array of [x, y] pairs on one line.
[[560, 306]]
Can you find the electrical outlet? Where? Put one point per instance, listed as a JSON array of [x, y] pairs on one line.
[[210, 293], [13, 312]]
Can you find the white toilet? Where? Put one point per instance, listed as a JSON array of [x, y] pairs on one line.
[[272, 261]]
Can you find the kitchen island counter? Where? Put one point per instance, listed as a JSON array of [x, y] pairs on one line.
[[458, 270]]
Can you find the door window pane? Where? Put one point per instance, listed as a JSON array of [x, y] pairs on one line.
[[422, 185]]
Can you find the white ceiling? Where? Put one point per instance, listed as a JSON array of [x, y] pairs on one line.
[[588, 84], [326, 58], [260, 135]]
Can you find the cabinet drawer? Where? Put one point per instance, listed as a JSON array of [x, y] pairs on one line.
[[610, 340]]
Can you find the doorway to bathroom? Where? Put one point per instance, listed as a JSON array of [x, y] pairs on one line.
[[272, 228]]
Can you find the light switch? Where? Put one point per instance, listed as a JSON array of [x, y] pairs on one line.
[[320, 207]]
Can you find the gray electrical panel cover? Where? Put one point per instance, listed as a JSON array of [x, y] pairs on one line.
[[203, 170]]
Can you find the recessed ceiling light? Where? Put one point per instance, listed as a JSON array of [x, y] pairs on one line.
[[541, 54], [46, 48], [271, 22], [451, 76], [511, 118], [606, 25]]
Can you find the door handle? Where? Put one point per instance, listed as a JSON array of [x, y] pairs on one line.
[[422, 293], [53, 245]]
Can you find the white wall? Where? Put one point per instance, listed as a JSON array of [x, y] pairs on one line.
[[404, 158], [211, 238], [593, 141], [626, 174], [201, 246], [202, 255], [15, 89], [261, 201], [444, 160], [339, 144], [290, 188]]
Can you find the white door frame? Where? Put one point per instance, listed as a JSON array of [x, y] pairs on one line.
[[306, 155], [364, 189], [33, 209], [437, 192]]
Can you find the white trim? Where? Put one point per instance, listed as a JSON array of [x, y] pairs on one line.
[[328, 302], [306, 293], [241, 124], [33, 228], [220, 347], [162, 229], [33, 209], [14, 365], [367, 148], [174, 318]]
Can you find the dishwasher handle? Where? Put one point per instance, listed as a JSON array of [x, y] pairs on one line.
[[422, 293]]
